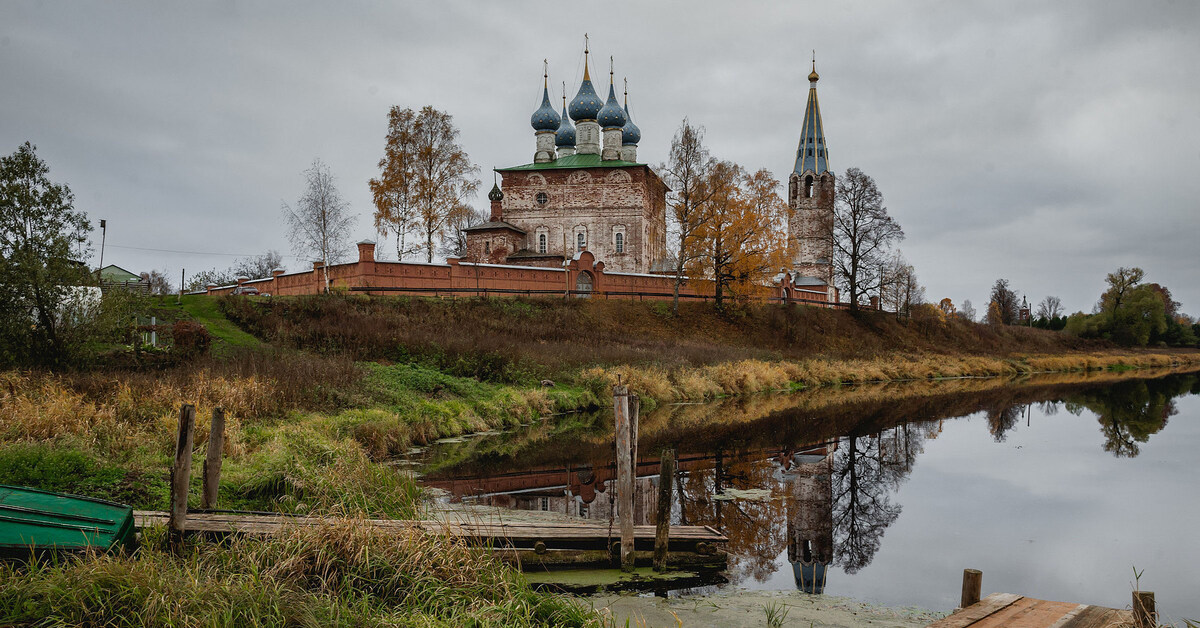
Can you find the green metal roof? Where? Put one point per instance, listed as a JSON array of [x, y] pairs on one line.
[[573, 161], [116, 274]]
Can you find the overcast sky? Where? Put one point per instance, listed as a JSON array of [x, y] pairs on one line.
[[1044, 142]]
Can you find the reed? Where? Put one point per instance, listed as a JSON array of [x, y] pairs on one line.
[[340, 574], [755, 376]]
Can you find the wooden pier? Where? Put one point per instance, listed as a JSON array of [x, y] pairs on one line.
[[549, 544], [1016, 611], [1007, 610]]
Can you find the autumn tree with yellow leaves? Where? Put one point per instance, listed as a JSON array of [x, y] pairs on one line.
[[743, 240], [425, 180]]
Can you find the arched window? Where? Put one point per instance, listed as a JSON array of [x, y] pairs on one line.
[[580, 241], [487, 247], [808, 186], [620, 242], [541, 243]]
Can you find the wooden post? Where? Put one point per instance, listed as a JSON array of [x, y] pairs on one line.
[[972, 587], [181, 473], [635, 410], [624, 474], [1144, 615], [662, 531], [212, 462]]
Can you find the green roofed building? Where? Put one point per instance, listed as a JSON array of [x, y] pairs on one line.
[[113, 276], [579, 193]]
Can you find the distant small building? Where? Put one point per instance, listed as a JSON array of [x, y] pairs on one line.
[[113, 276]]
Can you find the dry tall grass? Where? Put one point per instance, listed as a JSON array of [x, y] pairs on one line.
[[339, 574], [507, 339], [754, 376]]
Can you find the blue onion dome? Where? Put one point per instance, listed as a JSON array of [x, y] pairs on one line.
[[566, 131], [611, 115], [586, 103], [630, 133], [545, 118]]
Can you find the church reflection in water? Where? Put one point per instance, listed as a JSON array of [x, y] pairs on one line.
[[808, 504], [815, 489], [747, 496]]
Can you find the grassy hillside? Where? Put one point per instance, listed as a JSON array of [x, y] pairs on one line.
[[520, 339]]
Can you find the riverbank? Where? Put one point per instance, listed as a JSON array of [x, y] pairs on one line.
[[702, 383], [735, 609]]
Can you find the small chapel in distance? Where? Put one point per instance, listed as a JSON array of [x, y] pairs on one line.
[[584, 191]]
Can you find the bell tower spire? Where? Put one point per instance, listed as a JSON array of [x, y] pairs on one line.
[[811, 187]]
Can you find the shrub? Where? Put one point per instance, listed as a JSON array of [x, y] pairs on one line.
[[191, 339]]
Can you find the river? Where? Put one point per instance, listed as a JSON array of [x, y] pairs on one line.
[[1056, 487]]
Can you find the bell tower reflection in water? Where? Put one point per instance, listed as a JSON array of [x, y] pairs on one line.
[[808, 503]]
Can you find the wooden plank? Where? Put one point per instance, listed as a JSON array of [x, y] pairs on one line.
[[250, 523], [1097, 617], [1076, 612], [1027, 613], [968, 616]]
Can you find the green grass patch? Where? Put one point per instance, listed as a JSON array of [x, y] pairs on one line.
[[51, 468], [206, 310]]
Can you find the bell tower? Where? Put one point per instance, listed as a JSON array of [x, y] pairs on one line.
[[811, 189]]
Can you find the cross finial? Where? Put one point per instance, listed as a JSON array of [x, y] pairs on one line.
[[610, 69], [586, 76], [564, 94], [626, 80], [545, 72], [814, 60]]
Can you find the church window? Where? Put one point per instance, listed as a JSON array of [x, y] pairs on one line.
[[580, 241], [541, 243], [620, 242], [808, 186], [810, 152], [487, 247], [542, 198]]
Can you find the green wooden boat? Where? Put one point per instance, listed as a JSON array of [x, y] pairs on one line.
[[37, 523]]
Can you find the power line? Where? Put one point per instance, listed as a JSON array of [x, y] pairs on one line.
[[142, 248]]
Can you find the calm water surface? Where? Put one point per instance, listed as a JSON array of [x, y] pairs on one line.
[[1055, 488]]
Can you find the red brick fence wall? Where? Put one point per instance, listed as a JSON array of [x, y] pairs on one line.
[[580, 276]]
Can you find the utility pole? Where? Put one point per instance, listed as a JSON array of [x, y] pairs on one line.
[[103, 237]]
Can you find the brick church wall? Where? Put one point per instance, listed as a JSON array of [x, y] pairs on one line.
[[466, 279]]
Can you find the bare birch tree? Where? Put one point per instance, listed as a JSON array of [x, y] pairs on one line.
[[686, 172], [1050, 307], [320, 224], [863, 233], [901, 290]]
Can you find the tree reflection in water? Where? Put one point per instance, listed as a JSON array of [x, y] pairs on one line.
[[1130, 412], [826, 474]]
